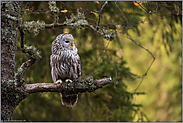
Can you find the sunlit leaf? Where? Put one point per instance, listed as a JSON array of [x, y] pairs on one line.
[[26, 9], [64, 11], [96, 2], [96, 14], [137, 3], [118, 30]]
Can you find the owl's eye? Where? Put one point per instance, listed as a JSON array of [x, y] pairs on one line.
[[66, 41]]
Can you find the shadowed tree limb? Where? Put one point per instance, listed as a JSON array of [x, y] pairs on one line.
[[31, 52], [77, 86]]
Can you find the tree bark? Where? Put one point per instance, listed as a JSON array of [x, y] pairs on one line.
[[75, 87], [10, 19]]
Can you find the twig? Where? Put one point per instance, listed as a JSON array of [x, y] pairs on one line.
[[100, 14], [102, 57], [149, 65], [53, 25], [116, 73], [75, 87], [91, 26], [122, 13]]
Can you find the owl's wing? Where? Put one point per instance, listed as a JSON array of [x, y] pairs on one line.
[[78, 65], [53, 70]]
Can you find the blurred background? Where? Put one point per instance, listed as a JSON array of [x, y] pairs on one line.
[[157, 26]]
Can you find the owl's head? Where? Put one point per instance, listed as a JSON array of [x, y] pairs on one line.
[[66, 40], [63, 42]]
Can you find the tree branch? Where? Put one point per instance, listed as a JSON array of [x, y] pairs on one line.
[[32, 53], [77, 86], [100, 13], [122, 13], [54, 25], [19, 75]]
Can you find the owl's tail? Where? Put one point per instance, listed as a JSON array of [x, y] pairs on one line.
[[69, 100]]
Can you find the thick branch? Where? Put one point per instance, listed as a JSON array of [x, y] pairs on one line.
[[77, 86]]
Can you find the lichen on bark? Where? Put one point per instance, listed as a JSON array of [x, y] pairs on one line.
[[10, 95]]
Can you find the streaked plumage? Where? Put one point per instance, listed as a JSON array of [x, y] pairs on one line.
[[65, 64]]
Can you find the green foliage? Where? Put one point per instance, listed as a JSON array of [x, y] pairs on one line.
[[113, 102]]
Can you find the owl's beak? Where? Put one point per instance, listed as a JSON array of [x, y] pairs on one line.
[[72, 46]]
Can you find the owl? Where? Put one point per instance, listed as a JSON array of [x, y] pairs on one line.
[[65, 65]]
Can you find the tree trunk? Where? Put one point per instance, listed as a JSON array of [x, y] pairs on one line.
[[10, 19]]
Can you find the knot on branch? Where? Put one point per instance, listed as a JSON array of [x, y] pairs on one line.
[[31, 52], [33, 27], [78, 21]]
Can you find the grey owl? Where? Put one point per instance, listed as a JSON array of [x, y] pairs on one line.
[[65, 65]]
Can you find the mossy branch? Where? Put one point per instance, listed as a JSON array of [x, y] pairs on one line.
[[77, 86], [31, 52], [79, 21], [19, 75]]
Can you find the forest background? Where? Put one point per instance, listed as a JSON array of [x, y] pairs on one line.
[[131, 96]]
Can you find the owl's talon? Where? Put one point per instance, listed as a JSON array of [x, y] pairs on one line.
[[68, 80], [59, 81]]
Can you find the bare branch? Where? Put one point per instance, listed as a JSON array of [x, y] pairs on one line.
[[122, 13], [77, 86], [149, 65], [101, 12]]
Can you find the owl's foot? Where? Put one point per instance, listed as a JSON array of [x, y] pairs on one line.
[[59, 81], [68, 80]]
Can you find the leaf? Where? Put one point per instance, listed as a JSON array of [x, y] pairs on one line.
[[64, 11], [96, 14], [96, 2], [118, 30], [137, 3], [26, 9]]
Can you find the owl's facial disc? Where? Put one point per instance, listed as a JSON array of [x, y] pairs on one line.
[[68, 43]]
